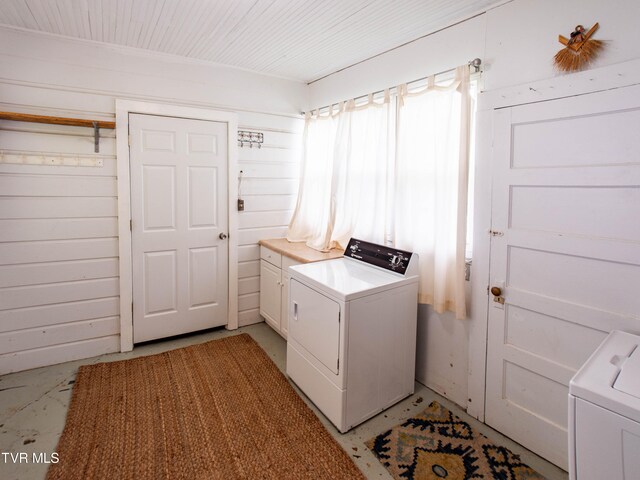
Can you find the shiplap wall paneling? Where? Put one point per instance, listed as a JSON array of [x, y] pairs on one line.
[[58, 249], [43, 210], [269, 186]]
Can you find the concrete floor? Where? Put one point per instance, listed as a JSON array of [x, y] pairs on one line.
[[33, 406]]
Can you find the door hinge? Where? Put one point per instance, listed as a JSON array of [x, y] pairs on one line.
[[338, 365], [496, 233], [339, 313], [131, 308], [131, 225]]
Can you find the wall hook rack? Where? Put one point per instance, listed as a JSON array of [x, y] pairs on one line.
[[250, 138]]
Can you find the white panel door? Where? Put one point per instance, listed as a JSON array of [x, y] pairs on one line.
[[565, 252], [179, 225]]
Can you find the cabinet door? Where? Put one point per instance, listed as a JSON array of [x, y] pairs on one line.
[[284, 318], [270, 294]]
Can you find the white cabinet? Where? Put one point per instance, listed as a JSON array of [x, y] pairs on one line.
[[274, 288], [270, 293]]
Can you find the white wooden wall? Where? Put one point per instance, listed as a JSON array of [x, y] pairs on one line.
[[58, 248], [58, 225], [269, 187]]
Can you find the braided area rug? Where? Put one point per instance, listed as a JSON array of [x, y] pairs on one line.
[[218, 410], [436, 444]]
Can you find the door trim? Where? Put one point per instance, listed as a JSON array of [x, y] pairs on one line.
[[123, 109], [590, 81]]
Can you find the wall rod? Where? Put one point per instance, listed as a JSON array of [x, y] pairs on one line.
[[74, 122]]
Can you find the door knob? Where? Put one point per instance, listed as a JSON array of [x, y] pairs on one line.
[[222, 236], [497, 295]]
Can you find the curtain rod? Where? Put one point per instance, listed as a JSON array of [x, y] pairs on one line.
[[475, 63]]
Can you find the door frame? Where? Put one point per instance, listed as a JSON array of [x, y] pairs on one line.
[[590, 81], [123, 109]]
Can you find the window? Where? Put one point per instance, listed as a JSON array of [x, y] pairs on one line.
[[395, 170]]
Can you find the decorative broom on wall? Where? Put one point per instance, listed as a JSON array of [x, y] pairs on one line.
[[579, 50]]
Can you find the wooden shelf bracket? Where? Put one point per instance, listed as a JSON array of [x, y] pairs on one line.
[[74, 122]]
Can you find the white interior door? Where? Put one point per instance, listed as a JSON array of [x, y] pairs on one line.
[[565, 252], [179, 225]]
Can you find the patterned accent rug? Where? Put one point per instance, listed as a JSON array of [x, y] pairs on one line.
[[218, 410], [436, 444]]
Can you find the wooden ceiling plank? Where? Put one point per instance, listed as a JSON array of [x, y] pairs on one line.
[[81, 12], [174, 20], [40, 16], [313, 29], [266, 36], [95, 27], [225, 43], [11, 16], [120, 9], [360, 37], [365, 45], [135, 24], [121, 19], [189, 30], [153, 21], [104, 19], [110, 20], [219, 41], [276, 40], [164, 24], [65, 26], [224, 20], [259, 21], [279, 42], [237, 41], [178, 25], [143, 20], [314, 32], [71, 17], [214, 27]]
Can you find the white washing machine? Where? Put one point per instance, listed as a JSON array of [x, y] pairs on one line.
[[351, 345], [604, 412]]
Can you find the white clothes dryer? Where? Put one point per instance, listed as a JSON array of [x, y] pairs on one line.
[[604, 412], [352, 331]]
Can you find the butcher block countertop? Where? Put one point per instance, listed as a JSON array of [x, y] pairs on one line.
[[298, 250]]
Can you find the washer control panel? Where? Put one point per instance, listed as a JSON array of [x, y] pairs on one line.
[[388, 258]]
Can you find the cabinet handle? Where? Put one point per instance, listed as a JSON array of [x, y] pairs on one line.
[[295, 311]]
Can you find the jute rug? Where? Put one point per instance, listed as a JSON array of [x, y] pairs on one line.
[[436, 444], [218, 410]]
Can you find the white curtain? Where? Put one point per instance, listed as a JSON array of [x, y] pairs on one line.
[[405, 184], [431, 184], [344, 185]]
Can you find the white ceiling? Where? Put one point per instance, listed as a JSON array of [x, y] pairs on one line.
[[298, 39]]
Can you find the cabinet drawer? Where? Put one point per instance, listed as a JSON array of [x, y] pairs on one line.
[[274, 258], [287, 262]]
